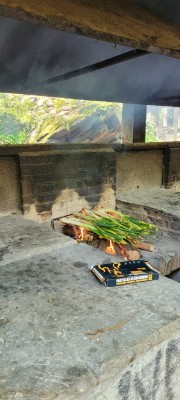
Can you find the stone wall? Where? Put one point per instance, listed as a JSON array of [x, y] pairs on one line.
[[51, 181], [139, 169], [54, 185], [9, 185], [171, 170]]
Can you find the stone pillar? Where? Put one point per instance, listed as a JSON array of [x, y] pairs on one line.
[[139, 128], [133, 123], [127, 123], [175, 122], [171, 168]]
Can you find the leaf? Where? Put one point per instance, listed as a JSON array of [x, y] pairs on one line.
[[107, 328]]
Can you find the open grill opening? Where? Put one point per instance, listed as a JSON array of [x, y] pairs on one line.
[[109, 231]]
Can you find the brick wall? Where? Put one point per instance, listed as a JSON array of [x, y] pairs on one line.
[[52, 181], [168, 224], [171, 170], [55, 185]]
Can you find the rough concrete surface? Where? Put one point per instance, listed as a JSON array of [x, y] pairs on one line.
[[166, 256], [50, 299], [167, 200], [20, 238], [138, 169]]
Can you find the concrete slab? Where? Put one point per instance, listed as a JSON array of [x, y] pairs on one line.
[[167, 200], [20, 238], [166, 256], [49, 301]]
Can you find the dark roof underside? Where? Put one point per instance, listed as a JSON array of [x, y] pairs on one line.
[[30, 54]]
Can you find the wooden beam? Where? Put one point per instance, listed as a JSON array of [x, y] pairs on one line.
[[125, 22]]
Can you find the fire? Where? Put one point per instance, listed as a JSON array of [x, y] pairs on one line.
[[82, 234], [123, 252], [122, 249], [110, 249]]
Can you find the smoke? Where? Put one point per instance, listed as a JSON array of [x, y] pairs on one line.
[[30, 54]]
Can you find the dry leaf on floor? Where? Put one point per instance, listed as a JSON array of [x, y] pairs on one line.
[[107, 328]]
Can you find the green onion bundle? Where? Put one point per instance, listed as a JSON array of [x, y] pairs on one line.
[[112, 225]]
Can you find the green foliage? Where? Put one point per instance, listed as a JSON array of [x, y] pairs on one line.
[[13, 138], [28, 119], [150, 132]]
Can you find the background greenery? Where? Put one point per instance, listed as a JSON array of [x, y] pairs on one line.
[[28, 119], [31, 119]]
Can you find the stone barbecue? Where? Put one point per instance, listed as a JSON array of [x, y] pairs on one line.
[[64, 336], [52, 305]]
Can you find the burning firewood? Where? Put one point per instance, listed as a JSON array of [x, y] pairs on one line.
[[71, 230], [110, 247], [145, 246], [118, 250], [111, 230], [95, 242], [130, 252], [81, 234], [88, 237], [111, 225], [102, 244]]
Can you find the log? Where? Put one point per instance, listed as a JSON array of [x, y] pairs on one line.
[[70, 230], [131, 253], [102, 245], [89, 237], [94, 243], [118, 250], [147, 246]]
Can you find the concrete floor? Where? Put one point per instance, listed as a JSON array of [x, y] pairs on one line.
[[49, 299]]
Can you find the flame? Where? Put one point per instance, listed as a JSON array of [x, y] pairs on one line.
[[110, 249], [76, 232], [122, 249], [82, 234], [123, 252], [83, 211]]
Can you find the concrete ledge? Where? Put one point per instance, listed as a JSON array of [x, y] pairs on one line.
[[158, 205], [43, 147], [50, 300], [147, 377], [145, 146], [53, 148]]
